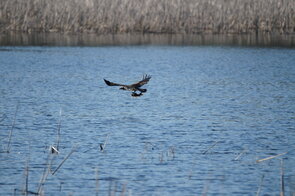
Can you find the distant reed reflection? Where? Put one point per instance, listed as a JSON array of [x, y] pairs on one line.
[[57, 39]]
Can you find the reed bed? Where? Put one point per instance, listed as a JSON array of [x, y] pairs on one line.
[[148, 16]]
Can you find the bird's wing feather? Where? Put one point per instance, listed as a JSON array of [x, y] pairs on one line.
[[112, 83], [145, 80]]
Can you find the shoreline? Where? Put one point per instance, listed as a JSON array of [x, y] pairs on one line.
[[86, 39]]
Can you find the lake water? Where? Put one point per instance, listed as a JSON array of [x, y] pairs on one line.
[[210, 112]]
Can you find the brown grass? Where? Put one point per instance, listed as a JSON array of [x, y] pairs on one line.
[[148, 16]]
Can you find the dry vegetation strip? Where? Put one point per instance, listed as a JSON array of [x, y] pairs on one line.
[[156, 16]]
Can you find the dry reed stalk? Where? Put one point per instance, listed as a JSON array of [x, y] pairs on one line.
[[212, 146], [239, 155], [3, 117], [206, 188], [260, 186], [26, 190], [123, 190], [27, 178], [110, 188], [58, 131], [96, 182], [271, 157], [282, 193], [171, 152], [102, 147], [161, 157], [60, 186], [115, 188], [46, 171], [71, 152], [12, 126]]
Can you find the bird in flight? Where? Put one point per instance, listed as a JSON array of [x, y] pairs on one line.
[[132, 87]]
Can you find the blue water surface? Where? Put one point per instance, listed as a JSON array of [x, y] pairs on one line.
[[210, 112]]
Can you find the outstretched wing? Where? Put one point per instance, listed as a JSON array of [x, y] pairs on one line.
[[112, 83], [145, 80]]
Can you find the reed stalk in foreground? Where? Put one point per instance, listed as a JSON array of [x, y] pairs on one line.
[[26, 190], [271, 157], [206, 188], [282, 193], [212, 146], [260, 186], [12, 126], [71, 152], [96, 182], [55, 149], [27, 178], [123, 190], [2, 118], [58, 131], [110, 188], [239, 155], [46, 171], [102, 146]]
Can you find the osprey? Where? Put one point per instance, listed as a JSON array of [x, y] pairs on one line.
[[132, 87]]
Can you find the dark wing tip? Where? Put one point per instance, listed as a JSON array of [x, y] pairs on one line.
[[107, 82]]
